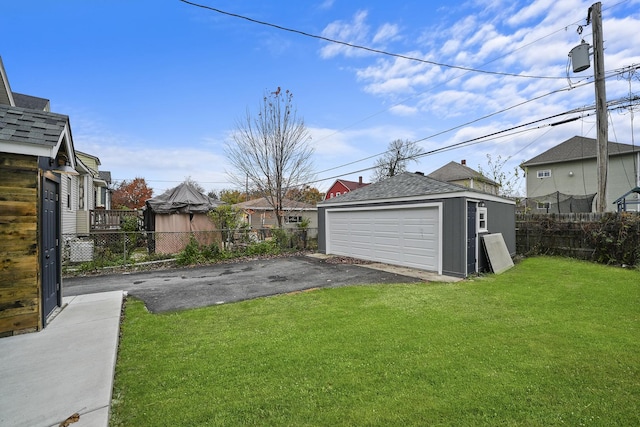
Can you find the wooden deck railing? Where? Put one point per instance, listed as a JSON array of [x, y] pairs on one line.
[[103, 219]]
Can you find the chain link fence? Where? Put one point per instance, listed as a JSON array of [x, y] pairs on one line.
[[129, 247]]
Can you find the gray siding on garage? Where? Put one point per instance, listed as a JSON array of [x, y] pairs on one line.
[[454, 247], [322, 239], [501, 218]]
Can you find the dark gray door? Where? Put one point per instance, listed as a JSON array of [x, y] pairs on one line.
[[471, 238], [51, 296]]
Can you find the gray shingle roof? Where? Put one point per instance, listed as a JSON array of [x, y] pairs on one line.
[[31, 126], [453, 171], [105, 176], [30, 102], [577, 148], [406, 184]]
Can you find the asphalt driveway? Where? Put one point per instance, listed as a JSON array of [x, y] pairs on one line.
[[178, 289]]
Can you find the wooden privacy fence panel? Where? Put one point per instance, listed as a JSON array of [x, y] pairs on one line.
[[611, 238]]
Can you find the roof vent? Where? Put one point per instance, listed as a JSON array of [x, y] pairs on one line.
[[419, 173]]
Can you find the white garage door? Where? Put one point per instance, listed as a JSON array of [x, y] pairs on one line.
[[403, 236]]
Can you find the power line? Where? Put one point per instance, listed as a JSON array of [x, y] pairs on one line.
[[463, 124], [616, 104], [571, 87], [368, 49]]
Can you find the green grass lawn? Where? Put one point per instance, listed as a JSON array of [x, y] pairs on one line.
[[550, 342]]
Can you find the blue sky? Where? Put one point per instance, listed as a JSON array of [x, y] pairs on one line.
[[154, 88]]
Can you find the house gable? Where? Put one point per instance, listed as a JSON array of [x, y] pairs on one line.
[[35, 133], [461, 174], [342, 186], [6, 96]]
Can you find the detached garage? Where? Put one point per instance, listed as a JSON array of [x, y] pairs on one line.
[[415, 221]]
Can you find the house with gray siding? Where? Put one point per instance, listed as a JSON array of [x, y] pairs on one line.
[[564, 178], [415, 221]]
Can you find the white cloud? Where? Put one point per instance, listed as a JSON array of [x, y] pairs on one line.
[[326, 4], [530, 12], [385, 33], [354, 32], [403, 110]]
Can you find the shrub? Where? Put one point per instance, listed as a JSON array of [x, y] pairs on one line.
[[262, 248], [280, 238], [191, 253], [615, 239]]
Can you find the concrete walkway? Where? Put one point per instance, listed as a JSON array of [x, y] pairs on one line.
[[65, 369]]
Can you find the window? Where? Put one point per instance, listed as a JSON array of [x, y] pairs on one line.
[[543, 205], [293, 219], [482, 220], [331, 196], [337, 194], [81, 193], [544, 173], [69, 182]]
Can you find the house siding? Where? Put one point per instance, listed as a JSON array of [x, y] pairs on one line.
[[580, 178], [20, 288], [336, 188], [69, 203], [454, 218]]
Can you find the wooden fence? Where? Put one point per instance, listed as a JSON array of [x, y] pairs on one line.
[[603, 237]]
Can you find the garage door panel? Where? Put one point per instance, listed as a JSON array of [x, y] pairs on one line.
[[407, 236]]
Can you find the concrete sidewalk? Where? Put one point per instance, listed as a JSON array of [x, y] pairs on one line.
[[65, 369]]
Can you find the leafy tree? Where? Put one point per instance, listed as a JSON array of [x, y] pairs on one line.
[[306, 194], [227, 219], [232, 196], [271, 150], [510, 181], [394, 161], [131, 194]]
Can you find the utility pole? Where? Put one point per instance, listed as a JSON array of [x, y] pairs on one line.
[[602, 124]]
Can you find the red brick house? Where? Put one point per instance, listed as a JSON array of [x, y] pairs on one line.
[[342, 186]]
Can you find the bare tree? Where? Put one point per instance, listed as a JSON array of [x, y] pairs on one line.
[[195, 184], [394, 161], [510, 181], [271, 150]]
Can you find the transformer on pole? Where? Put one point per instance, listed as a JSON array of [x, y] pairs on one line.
[[580, 61]]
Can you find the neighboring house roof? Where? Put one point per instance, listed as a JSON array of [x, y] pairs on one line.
[[577, 148], [404, 185], [352, 185], [182, 199], [262, 204], [454, 171], [31, 102], [105, 176], [38, 133]]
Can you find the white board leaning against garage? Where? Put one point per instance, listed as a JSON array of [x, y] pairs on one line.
[[497, 252]]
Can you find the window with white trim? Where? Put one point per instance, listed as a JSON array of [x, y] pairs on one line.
[[293, 219], [543, 205], [483, 227], [546, 173], [69, 183]]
